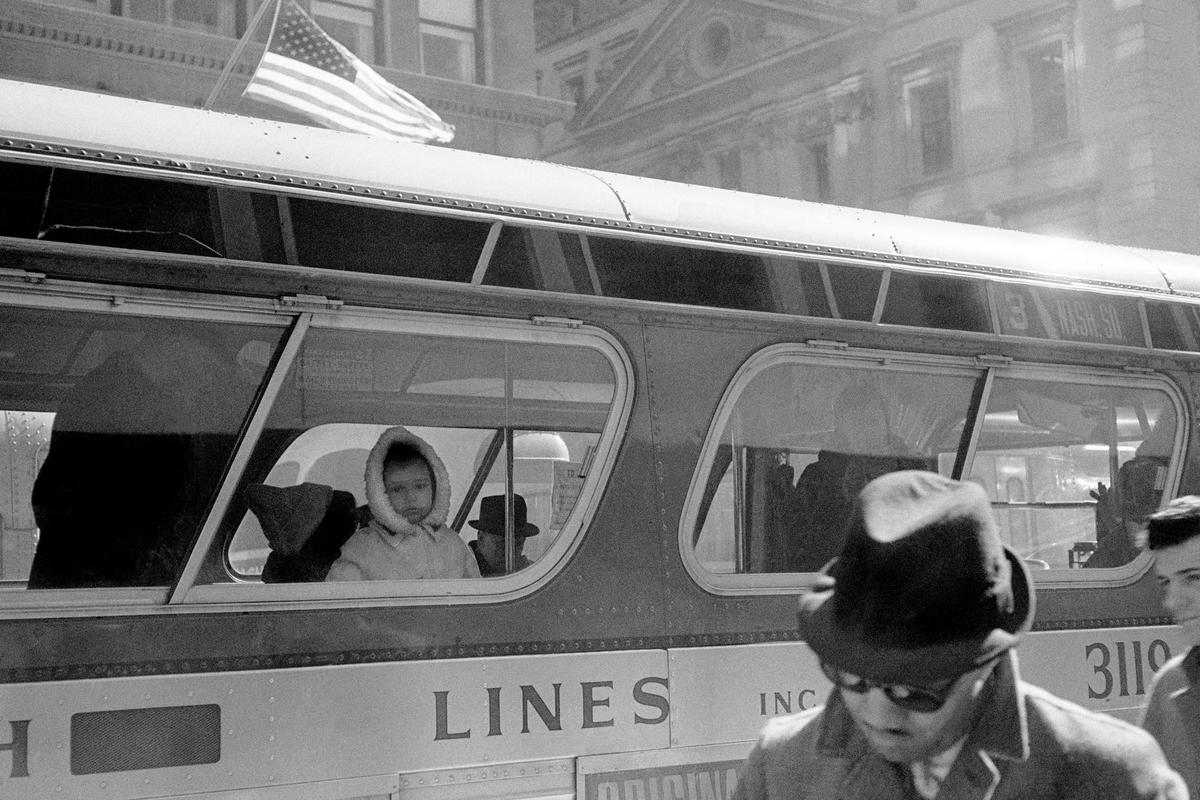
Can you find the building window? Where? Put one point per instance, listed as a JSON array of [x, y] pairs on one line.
[[197, 15], [148, 10], [1045, 67], [926, 88], [351, 22], [450, 39], [1039, 59], [931, 111], [818, 154], [729, 169]]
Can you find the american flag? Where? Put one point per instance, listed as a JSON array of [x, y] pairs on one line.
[[305, 70]]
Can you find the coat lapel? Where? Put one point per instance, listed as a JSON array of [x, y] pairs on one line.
[[1187, 699], [974, 776], [872, 778]]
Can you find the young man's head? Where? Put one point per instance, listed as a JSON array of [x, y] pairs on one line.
[[917, 611], [408, 481], [1173, 536]]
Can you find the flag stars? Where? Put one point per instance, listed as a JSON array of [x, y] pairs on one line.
[[300, 39]]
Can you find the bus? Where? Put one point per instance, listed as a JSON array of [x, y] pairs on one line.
[[685, 385]]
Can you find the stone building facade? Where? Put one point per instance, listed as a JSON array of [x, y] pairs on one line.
[[1056, 116], [470, 61]]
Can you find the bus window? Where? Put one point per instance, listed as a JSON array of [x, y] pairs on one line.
[[795, 446], [1174, 326], [118, 429], [473, 399], [533, 258], [854, 290], [119, 211], [1073, 469], [385, 241], [934, 301], [22, 196], [652, 271]]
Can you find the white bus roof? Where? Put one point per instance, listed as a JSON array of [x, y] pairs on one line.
[[41, 118]]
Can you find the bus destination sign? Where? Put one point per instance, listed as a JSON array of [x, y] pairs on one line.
[[1069, 316]]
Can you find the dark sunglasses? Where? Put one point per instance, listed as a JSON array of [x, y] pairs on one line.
[[922, 699]]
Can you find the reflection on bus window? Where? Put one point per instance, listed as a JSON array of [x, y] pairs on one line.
[[119, 429], [1074, 469], [123, 211], [800, 443], [473, 400]]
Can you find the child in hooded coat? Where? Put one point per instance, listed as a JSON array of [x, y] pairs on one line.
[[408, 494]]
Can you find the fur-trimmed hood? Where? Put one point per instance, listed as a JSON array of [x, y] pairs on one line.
[[377, 499]]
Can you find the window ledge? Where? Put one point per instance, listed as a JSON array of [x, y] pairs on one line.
[[1034, 153]]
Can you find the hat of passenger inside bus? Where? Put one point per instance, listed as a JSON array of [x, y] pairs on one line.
[[491, 517], [923, 590]]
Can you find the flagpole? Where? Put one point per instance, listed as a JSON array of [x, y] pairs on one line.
[[239, 49]]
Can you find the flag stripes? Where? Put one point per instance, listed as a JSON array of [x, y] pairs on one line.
[[306, 71]]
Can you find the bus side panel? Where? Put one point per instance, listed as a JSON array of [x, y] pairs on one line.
[[689, 365], [1105, 669], [726, 694], [162, 735], [609, 593]]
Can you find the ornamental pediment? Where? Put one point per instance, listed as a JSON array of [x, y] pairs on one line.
[[699, 43]]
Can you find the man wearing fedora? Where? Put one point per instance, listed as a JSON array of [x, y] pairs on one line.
[[916, 623], [488, 546]]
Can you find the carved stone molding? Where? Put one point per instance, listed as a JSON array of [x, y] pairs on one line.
[[815, 122], [767, 134], [678, 72], [56, 27], [853, 105], [84, 30], [693, 61]]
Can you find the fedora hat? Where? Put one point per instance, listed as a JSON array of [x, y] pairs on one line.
[[923, 589], [491, 516]]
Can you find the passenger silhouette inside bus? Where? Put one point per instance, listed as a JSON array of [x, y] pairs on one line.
[[305, 526], [137, 447], [489, 545], [861, 449], [1121, 511], [408, 497]]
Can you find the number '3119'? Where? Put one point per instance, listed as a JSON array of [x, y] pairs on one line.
[[1113, 667]]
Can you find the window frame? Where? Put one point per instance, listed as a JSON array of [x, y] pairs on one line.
[[347, 11], [127, 301], [768, 583], [426, 592], [190, 596], [911, 76], [458, 32], [1059, 375], [1020, 37]]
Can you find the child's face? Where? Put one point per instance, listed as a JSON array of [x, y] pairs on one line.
[[409, 488]]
